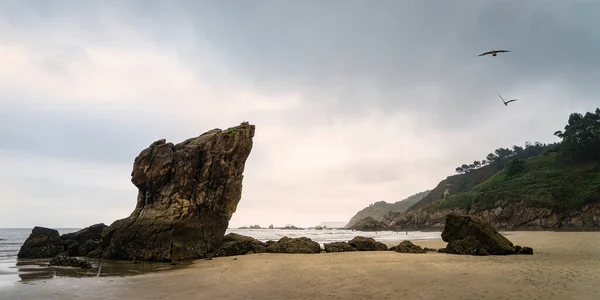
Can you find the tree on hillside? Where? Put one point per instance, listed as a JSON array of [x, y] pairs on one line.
[[503, 155], [581, 136]]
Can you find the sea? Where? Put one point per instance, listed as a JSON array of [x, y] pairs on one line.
[[13, 270]]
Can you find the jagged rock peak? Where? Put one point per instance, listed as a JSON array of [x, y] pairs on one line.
[[187, 195]]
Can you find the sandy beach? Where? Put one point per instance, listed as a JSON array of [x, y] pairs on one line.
[[565, 266]]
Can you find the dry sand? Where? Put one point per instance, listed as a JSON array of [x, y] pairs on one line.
[[565, 265]]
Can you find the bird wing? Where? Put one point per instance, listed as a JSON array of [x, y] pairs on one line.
[[502, 51], [501, 98], [509, 101], [485, 53]]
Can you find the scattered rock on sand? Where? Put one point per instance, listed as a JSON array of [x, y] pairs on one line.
[[408, 247], [295, 245], [236, 244], [41, 243], [65, 261], [338, 247], [362, 243], [470, 235]]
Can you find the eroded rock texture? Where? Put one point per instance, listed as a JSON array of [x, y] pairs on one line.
[[41, 243], [472, 236], [187, 195]]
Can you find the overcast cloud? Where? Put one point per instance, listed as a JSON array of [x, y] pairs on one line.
[[354, 101]]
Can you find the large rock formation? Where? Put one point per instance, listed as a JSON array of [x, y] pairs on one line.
[[187, 195], [41, 243], [470, 235]]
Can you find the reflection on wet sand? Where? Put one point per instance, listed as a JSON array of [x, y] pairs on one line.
[[36, 269]]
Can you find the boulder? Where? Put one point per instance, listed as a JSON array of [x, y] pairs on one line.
[[187, 194], [469, 245], [294, 245], [338, 247], [480, 234], [88, 247], [468, 234], [362, 243], [523, 250], [65, 261], [71, 247], [93, 232], [236, 244], [41, 243], [408, 247]]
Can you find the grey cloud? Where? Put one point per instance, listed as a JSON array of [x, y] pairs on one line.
[[344, 57], [368, 54], [106, 137]]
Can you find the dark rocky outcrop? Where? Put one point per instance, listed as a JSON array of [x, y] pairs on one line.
[[187, 195], [236, 244], [408, 247], [470, 235], [377, 210], [41, 243], [338, 247], [294, 245], [65, 261], [362, 243], [88, 247], [368, 224], [504, 216], [93, 232]]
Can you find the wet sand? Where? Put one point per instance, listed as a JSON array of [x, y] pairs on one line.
[[565, 265]]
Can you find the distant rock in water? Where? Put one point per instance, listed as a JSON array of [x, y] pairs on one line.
[[41, 243], [187, 195], [467, 234]]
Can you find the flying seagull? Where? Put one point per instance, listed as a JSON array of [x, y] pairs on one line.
[[507, 102], [493, 52]]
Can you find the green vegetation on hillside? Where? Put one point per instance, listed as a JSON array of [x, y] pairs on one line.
[[471, 176], [564, 178], [378, 209], [501, 156]]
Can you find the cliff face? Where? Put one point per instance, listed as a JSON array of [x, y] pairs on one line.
[[378, 210], [547, 192], [187, 195], [512, 216]]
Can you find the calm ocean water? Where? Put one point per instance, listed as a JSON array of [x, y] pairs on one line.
[[11, 240]]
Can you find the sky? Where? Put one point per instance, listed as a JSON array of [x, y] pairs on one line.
[[354, 101]]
